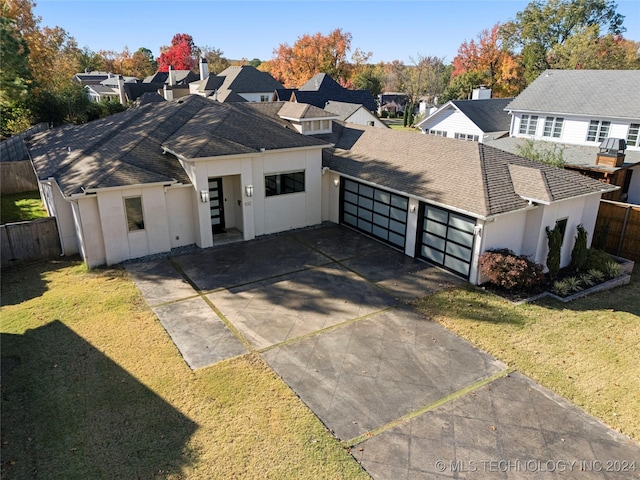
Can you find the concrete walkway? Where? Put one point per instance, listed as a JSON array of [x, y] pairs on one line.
[[326, 310]]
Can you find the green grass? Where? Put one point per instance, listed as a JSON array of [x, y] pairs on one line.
[[98, 390], [586, 351], [21, 207]]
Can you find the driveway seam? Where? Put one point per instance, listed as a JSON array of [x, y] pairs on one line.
[[426, 408]]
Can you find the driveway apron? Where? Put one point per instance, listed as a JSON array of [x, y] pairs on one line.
[[326, 309]]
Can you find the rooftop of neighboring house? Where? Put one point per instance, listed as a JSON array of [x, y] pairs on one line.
[[90, 78], [128, 148], [321, 88], [182, 78], [487, 114], [477, 179], [342, 109], [594, 93], [580, 156], [112, 81], [235, 80]]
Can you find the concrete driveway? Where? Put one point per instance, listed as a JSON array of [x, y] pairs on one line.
[[326, 309]]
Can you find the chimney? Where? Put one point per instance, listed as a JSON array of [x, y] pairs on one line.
[[611, 152], [204, 68], [172, 76], [123, 98], [481, 93]]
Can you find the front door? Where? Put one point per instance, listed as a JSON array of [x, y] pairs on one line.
[[216, 204]]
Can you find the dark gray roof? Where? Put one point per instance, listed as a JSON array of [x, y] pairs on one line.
[[597, 93], [183, 77], [321, 88], [471, 177], [343, 109], [488, 114], [284, 94], [126, 148], [14, 149], [298, 111], [247, 79]]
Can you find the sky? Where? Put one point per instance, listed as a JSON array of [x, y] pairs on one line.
[[391, 30]]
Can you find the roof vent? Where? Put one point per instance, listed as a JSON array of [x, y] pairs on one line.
[[611, 152]]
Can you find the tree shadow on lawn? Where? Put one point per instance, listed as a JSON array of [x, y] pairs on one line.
[[68, 411], [25, 282]]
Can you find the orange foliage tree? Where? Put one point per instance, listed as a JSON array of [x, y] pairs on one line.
[[492, 60], [311, 54]]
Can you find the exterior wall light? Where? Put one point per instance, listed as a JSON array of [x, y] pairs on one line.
[[204, 196], [412, 209], [336, 182], [248, 190]]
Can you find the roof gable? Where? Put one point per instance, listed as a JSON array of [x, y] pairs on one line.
[[595, 93]]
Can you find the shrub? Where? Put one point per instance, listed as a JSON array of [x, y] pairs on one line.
[[597, 260], [612, 269], [575, 285], [554, 238], [587, 280], [505, 269], [596, 275], [580, 251], [561, 288]]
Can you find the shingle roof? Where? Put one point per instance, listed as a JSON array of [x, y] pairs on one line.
[[467, 176], [126, 148], [488, 114], [597, 93], [247, 79], [299, 111], [343, 109], [321, 88], [183, 77]]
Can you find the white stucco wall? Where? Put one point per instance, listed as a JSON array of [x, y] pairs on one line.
[[451, 121], [634, 186], [362, 116], [180, 213], [254, 97], [89, 230], [58, 207]]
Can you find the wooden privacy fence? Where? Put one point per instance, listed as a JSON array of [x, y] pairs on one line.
[[26, 242], [617, 229], [17, 177]]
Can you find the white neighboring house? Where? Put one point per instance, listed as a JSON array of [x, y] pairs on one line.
[[577, 110], [475, 120], [354, 113], [170, 174]]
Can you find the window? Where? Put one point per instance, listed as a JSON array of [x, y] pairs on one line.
[[633, 136], [265, 98], [133, 210], [598, 130], [284, 183], [553, 127], [465, 136], [562, 225], [438, 133], [528, 124]]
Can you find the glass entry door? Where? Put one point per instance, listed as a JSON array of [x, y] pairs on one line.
[[216, 205]]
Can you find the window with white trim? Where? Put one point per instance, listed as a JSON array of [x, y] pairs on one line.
[[633, 137], [553, 127], [265, 98], [134, 213], [466, 136], [598, 130], [528, 124], [438, 133]]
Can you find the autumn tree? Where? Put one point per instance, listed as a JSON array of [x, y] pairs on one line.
[[180, 55], [491, 59], [587, 50], [543, 27], [142, 64], [311, 54], [461, 86], [394, 76]]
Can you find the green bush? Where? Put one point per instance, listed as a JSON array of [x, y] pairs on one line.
[[597, 260], [612, 269], [580, 251]]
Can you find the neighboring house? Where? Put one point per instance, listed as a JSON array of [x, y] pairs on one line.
[[90, 77], [352, 113], [583, 108], [171, 84], [320, 89], [236, 84], [474, 120], [171, 174]]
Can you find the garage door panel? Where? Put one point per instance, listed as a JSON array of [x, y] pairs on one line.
[[446, 239], [375, 211]]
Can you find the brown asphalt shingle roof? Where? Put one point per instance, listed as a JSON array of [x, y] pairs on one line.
[[126, 148], [468, 176]]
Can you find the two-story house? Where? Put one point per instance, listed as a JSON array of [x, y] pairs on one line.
[[575, 111]]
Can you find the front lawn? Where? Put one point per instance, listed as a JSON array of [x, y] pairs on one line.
[[93, 387], [587, 350], [21, 207]]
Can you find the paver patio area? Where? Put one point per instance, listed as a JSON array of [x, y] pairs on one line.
[[326, 309]]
